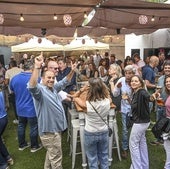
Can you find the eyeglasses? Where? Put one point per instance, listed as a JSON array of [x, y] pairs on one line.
[[55, 68]]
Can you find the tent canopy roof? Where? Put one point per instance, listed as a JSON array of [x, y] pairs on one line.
[[111, 17], [88, 44], [34, 45], [46, 45]]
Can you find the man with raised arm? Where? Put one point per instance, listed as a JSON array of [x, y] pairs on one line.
[[49, 110]]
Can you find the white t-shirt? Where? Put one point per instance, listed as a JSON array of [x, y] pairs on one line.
[[104, 78], [10, 73]]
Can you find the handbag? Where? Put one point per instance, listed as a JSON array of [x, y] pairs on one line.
[[82, 94], [109, 129], [162, 125], [129, 120]]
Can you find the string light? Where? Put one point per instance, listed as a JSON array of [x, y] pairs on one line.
[[153, 19], [21, 18], [55, 17], [98, 5], [85, 15]]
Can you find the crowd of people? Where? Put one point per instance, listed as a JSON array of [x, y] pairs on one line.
[[41, 90]]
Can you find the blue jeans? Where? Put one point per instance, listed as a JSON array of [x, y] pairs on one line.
[[33, 131], [4, 155], [160, 112], [124, 133], [96, 147], [12, 100]]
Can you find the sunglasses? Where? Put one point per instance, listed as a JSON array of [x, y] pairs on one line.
[[55, 68]]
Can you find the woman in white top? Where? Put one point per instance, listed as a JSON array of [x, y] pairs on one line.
[[96, 131], [103, 73]]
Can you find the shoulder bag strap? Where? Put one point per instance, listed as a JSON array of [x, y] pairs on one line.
[[99, 115]]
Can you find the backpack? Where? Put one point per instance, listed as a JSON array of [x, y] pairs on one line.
[[162, 125]]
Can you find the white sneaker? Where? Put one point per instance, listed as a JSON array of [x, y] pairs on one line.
[[23, 148], [15, 121], [33, 150]]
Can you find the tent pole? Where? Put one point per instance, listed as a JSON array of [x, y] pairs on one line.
[[64, 53]]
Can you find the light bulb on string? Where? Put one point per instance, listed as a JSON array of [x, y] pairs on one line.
[[98, 5], [153, 19], [85, 15], [21, 18], [55, 17]]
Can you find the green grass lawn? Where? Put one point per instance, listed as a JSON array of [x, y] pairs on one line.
[[26, 160]]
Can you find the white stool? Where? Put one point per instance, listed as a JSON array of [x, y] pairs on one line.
[[116, 137], [74, 135], [78, 126], [72, 114], [82, 125], [113, 126]]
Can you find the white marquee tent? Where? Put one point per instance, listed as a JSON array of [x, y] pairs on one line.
[[34, 45], [85, 43], [47, 45]]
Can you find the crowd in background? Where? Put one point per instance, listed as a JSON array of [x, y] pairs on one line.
[[123, 78]]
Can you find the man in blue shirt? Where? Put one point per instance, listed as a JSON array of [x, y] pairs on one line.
[[49, 110], [25, 108], [4, 154], [148, 74]]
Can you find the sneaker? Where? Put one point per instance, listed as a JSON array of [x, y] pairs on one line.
[[33, 150], [149, 129], [15, 121], [161, 142], [154, 143], [24, 147], [152, 122], [10, 161]]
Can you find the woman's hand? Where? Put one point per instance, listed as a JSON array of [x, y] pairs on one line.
[[156, 95], [112, 79]]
